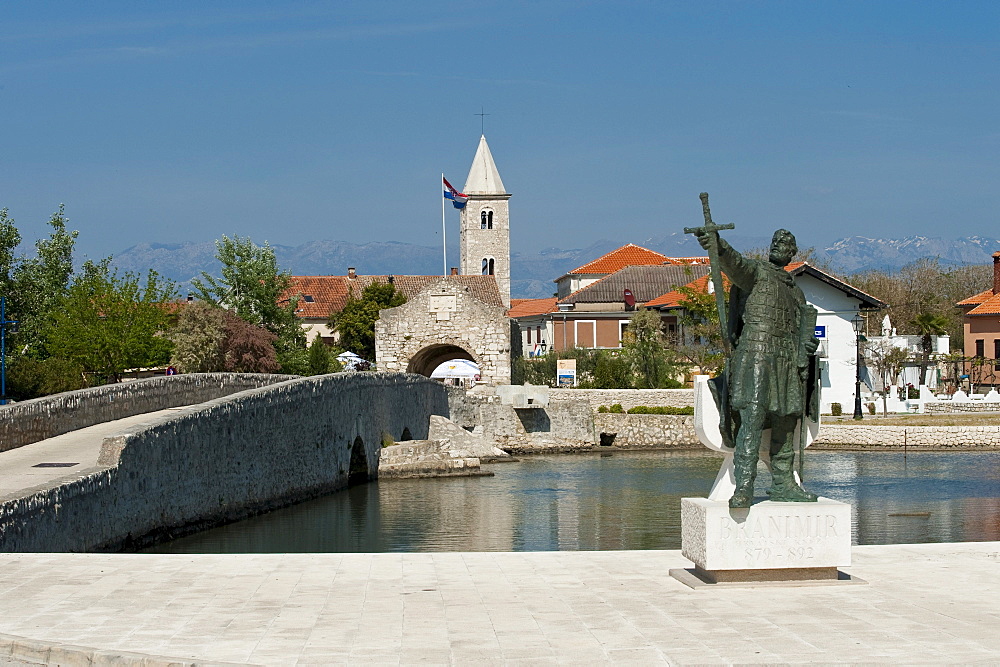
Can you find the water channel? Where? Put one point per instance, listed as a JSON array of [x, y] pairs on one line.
[[619, 500]]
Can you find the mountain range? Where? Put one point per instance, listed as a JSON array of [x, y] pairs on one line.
[[532, 274]]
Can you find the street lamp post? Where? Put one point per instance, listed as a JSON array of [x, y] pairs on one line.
[[4, 322], [859, 323]]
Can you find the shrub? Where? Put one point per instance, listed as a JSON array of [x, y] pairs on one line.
[[602, 409], [387, 440], [616, 409], [661, 410], [836, 410], [30, 378]]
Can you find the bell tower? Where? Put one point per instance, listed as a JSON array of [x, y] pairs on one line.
[[485, 223]]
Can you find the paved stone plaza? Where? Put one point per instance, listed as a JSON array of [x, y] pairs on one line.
[[934, 603]]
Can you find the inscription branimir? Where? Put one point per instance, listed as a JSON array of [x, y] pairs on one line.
[[780, 527], [443, 303]]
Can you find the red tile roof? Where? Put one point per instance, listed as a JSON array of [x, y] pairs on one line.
[[329, 294], [645, 283], [530, 307], [673, 299], [989, 306], [628, 255], [977, 299]]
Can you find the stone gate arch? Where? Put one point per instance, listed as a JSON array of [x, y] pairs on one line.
[[445, 320], [427, 359]]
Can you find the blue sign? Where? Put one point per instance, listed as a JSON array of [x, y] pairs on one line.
[[820, 331]]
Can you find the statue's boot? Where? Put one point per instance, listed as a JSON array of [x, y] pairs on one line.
[[783, 487], [745, 469]]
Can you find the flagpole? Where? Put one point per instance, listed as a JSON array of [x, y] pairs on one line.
[[444, 231]]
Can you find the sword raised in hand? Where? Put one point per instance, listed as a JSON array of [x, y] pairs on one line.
[[714, 270]]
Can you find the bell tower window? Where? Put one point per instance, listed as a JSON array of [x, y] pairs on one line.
[[488, 266], [486, 219]]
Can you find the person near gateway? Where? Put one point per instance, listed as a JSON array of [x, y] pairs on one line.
[[772, 338]]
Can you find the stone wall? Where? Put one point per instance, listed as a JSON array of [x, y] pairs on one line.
[[224, 460], [563, 426], [628, 398], [646, 431], [912, 437], [943, 407], [30, 421]]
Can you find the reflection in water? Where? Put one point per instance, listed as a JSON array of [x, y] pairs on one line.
[[630, 500]]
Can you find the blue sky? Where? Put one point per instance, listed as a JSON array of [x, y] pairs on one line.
[[290, 122]]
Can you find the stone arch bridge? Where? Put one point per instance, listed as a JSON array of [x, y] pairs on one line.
[[244, 444]]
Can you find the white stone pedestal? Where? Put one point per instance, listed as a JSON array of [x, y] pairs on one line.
[[770, 541]]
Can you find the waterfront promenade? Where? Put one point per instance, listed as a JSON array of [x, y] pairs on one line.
[[923, 604]]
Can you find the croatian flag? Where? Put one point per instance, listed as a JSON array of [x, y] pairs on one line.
[[458, 200]]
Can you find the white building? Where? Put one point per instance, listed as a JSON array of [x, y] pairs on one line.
[[837, 303]]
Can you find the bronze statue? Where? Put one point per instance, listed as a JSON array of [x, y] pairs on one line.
[[767, 378]]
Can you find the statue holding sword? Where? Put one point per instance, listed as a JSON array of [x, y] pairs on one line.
[[769, 338]]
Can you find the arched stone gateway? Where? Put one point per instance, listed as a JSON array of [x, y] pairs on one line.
[[426, 360], [444, 321]]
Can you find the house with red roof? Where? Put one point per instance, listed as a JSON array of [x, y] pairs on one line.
[[981, 320], [594, 302]]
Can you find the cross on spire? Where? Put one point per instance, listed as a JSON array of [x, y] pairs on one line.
[[482, 118]]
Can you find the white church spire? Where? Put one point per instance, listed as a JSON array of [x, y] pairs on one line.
[[484, 179]]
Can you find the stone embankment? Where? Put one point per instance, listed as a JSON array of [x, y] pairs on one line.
[[31, 421], [223, 460], [947, 407], [565, 425], [449, 451], [646, 431], [856, 436]]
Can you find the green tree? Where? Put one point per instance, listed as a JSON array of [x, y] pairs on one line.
[[108, 323], [10, 238], [355, 324], [30, 378], [644, 347], [42, 281], [252, 287], [701, 345], [320, 359], [612, 370], [198, 338]]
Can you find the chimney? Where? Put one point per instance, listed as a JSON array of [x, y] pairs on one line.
[[454, 269], [351, 275], [996, 273]]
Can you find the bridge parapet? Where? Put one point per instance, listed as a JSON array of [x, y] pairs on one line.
[[46, 417]]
